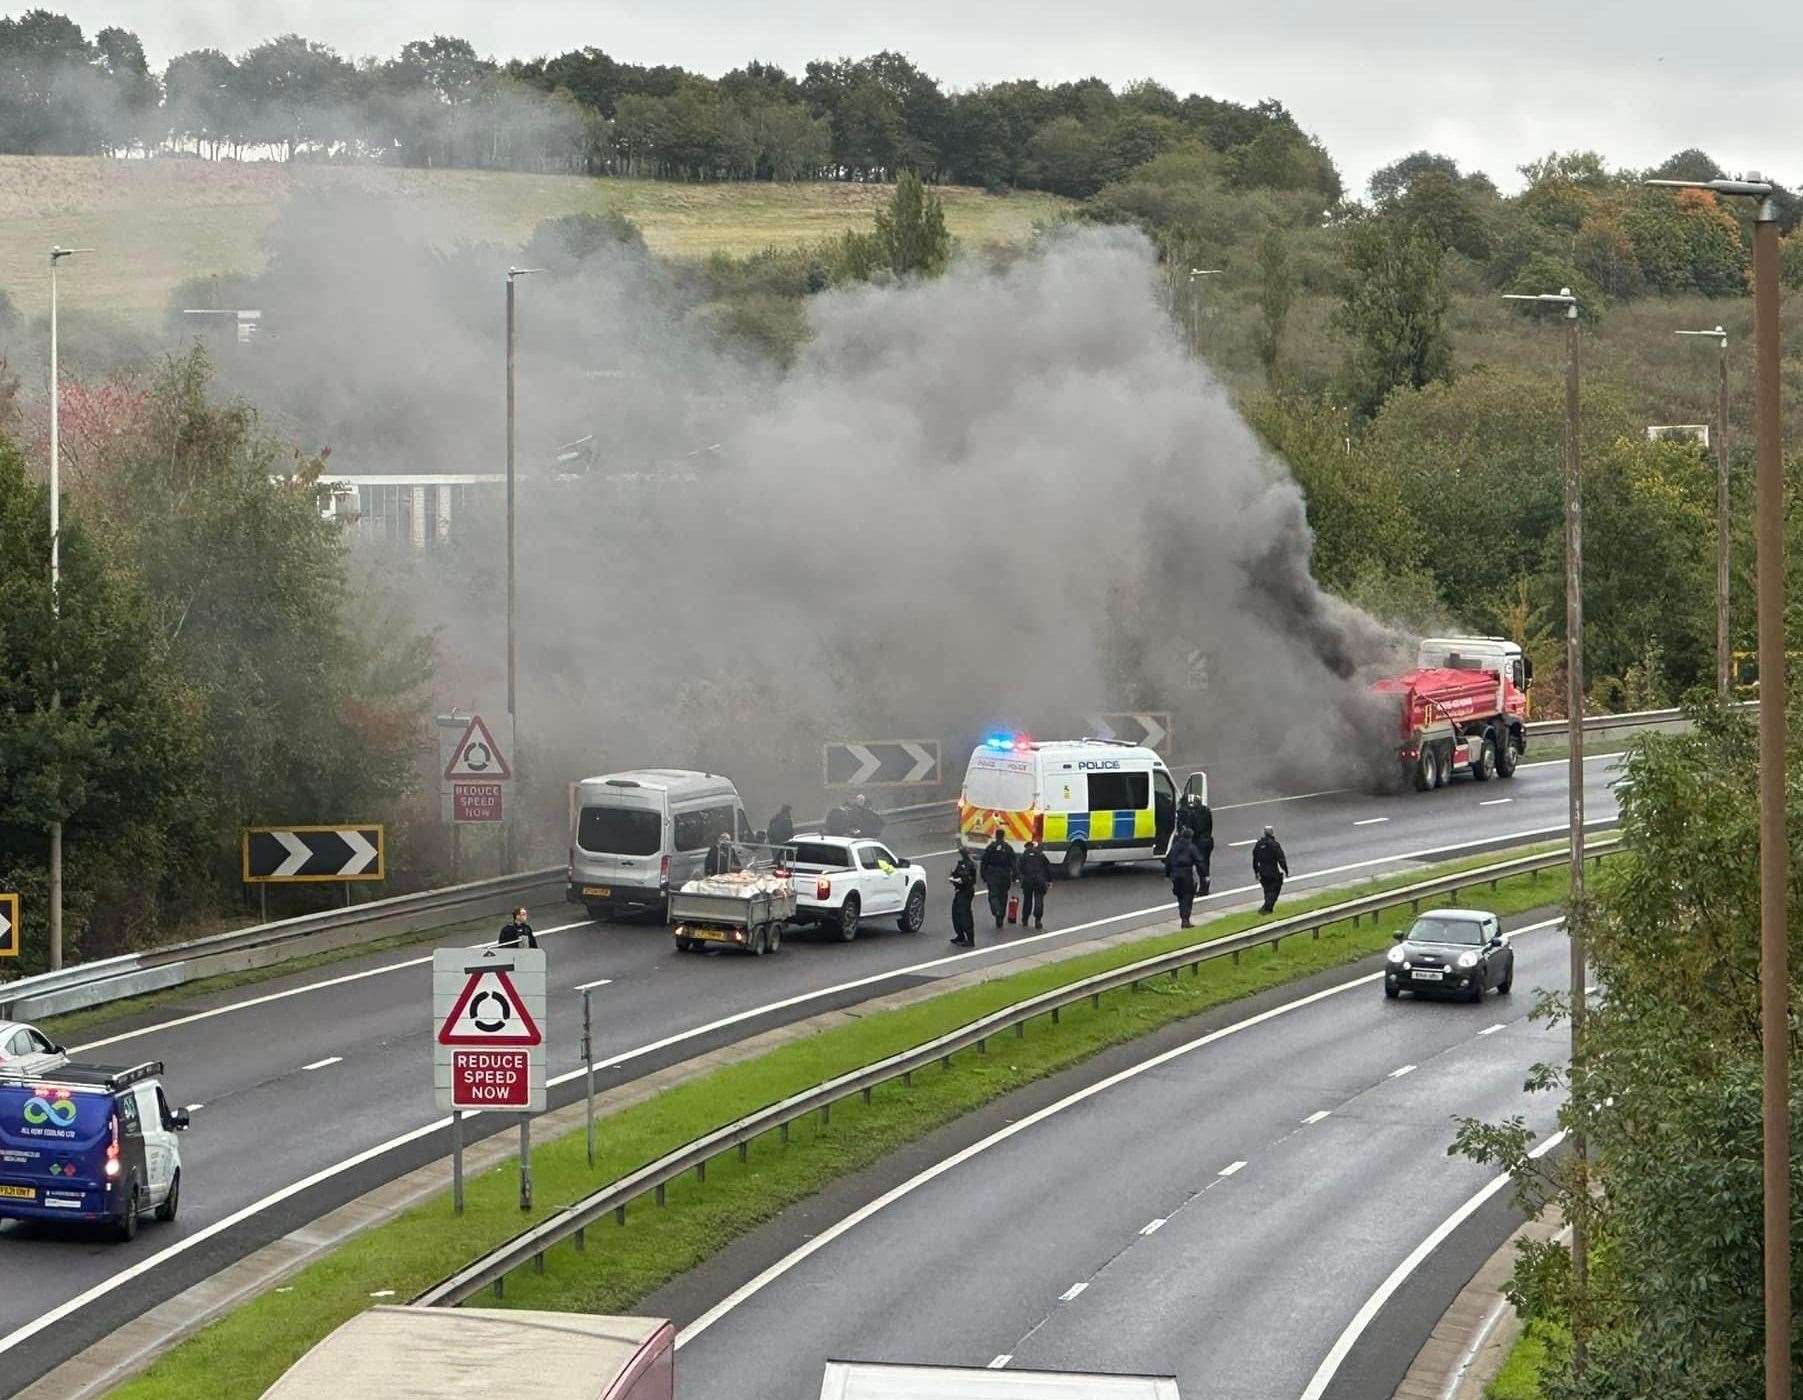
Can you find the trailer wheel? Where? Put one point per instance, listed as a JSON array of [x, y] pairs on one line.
[[757, 941], [775, 945], [1486, 758]]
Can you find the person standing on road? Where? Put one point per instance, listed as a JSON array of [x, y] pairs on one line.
[[1035, 880], [518, 930], [839, 820], [782, 827], [964, 893], [1184, 866], [1200, 819], [1270, 866], [865, 820], [999, 869]]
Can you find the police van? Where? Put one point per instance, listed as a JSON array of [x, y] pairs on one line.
[[92, 1143], [1087, 801]]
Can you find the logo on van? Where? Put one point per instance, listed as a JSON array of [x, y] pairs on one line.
[[60, 1112], [1098, 763]]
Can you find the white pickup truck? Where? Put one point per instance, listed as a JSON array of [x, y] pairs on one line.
[[842, 880]]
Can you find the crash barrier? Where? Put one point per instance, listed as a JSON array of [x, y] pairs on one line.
[[573, 1221], [261, 945]]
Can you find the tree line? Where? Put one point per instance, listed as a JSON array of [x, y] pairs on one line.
[[437, 102]]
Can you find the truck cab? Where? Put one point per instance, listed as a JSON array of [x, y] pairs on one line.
[[1495, 654]]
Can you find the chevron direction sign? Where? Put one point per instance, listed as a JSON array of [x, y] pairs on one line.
[[282, 855], [9, 925], [1151, 729], [882, 763]]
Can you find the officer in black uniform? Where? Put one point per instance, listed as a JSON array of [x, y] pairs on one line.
[[1199, 819], [1270, 866], [964, 893], [999, 869], [1035, 880], [1184, 866]]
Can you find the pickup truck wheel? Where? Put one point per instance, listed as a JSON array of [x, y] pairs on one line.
[[914, 917], [848, 919], [172, 1202], [1486, 758], [1074, 860]]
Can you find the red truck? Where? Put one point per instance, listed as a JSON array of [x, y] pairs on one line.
[[1463, 707]]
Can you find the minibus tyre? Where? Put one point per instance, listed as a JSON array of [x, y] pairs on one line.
[[1075, 859], [172, 1202], [848, 919], [125, 1229]]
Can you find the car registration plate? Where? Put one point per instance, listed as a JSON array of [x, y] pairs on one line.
[[19, 1193], [597, 891], [1421, 976]]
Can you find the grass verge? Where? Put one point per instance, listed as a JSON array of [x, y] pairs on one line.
[[244, 1352], [1519, 1379]]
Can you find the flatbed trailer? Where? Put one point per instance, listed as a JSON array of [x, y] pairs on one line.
[[747, 909]]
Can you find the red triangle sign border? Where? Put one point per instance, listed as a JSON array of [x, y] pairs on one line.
[[530, 1036], [477, 727]]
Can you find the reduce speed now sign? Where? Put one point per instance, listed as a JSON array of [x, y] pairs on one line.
[[488, 1016]]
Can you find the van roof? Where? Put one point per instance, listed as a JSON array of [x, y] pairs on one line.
[[445, 1353], [106, 1078], [660, 779]]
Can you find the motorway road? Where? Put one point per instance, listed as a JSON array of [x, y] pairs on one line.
[[316, 1086], [1221, 1210]]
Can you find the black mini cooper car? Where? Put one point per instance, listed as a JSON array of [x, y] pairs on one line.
[[1458, 952]]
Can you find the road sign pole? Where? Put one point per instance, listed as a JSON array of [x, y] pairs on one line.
[[263, 900], [588, 1072], [457, 1161], [456, 854], [525, 1161]]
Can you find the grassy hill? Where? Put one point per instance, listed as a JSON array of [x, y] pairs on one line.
[[154, 223]]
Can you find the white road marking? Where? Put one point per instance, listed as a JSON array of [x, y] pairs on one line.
[[1492, 1030], [1230, 1169], [1152, 1227], [1398, 1073], [1001, 1362], [1273, 801], [268, 997], [1371, 821], [1329, 1367], [329, 1060], [957, 1159], [195, 1107], [1495, 801], [1071, 1292], [1317, 1116]]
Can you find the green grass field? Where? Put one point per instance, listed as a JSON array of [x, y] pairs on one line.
[[154, 223], [243, 1352]]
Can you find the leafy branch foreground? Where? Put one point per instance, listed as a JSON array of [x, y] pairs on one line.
[[244, 1352]]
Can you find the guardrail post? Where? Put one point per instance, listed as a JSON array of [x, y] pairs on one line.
[[826, 1114], [619, 1215], [538, 1262], [660, 1193], [982, 1047], [701, 1171], [867, 1094], [1195, 969], [1236, 957], [1316, 930], [1020, 1030], [581, 1238], [908, 1079], [1095, 1002], [1414, 906], [785, 1132], [497, 1285], [744, 1151]]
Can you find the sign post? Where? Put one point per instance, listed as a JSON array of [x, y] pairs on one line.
[[488, 1009], [10, 937], [588, 1060]]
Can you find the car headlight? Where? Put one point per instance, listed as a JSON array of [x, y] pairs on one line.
[[1467, 959], [1396, 955]]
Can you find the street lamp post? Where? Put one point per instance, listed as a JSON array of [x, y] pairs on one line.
[[57, 254], [1721, 518], [1774, 848], [513, 273], [1574, 737]]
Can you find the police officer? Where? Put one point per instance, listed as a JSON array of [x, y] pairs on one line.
[[1035, 880], [782, 827], [964, 892], [1184, 866], [839, 820], [518, 930], [999, 869], [1199, 818], [865, 821], [1270, 866]]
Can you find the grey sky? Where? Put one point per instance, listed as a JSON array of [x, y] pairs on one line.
[[1491, 84]]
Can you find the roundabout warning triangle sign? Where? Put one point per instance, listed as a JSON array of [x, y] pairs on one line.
[[478, 755], [488, 1011]]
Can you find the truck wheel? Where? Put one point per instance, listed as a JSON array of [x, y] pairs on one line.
[[1075, 859], [1486, 758], [1507, 756], [172, 1202], [1442, 767], [848, 919], [914, 917], [1427, 770]]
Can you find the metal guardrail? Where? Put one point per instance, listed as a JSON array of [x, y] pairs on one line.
[[1633, 719], [573, 1221]]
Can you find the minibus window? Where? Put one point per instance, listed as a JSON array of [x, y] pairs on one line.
[[622, 831]]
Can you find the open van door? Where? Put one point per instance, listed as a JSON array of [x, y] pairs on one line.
[[1196, 785]]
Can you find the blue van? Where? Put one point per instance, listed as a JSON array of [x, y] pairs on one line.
[[91, 1143]]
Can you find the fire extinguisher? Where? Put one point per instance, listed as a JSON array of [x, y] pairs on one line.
[[1013, 908]]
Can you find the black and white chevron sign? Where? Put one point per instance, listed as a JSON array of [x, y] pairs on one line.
[[882, 763], [298, 854], [1151, 729]]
